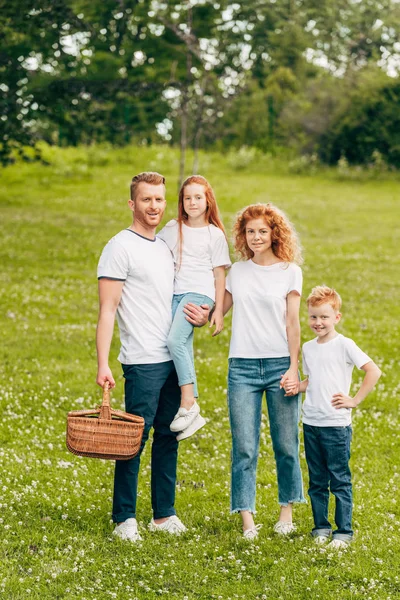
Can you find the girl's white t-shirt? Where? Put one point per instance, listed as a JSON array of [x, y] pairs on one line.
[[203, 249], [259, 308], [329, 368]]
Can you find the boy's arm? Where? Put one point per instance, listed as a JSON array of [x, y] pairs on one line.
[[217, 317], [292, 388], [372, 374], [109, 296]]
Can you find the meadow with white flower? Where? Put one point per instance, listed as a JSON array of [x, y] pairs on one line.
[[55, 527]]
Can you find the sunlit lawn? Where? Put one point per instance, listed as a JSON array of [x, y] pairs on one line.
[[55, 507]]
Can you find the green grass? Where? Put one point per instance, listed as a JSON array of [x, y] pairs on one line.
[[55, 508]]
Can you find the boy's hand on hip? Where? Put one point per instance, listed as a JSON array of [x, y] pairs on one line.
[[340, 400]]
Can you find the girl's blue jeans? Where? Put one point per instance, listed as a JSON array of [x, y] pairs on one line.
[[248, 379], [328, 454], [180, 338]]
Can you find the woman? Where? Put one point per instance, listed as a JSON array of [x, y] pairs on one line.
[[265, 291]]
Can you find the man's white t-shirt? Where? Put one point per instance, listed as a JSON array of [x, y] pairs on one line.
[[329, 368], [203, 249], [144, 311], [259, 308]]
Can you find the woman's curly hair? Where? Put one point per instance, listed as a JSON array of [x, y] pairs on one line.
[[285, 242]]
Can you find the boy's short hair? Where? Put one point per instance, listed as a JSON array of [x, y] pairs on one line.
[[323, 294], [147, 177]]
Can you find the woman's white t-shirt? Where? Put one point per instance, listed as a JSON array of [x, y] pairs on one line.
[[203, 249], [259, 308]]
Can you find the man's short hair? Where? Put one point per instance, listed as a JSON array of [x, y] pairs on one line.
[[147, 177], [323, 294]]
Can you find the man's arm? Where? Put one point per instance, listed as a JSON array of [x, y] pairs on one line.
[[198, 315], [372, 374], [109, 296]]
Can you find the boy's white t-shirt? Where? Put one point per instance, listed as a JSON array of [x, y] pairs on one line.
[[144, 311], [259, 308], [329, 369], [203, 249]]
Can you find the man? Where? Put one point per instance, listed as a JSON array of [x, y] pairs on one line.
[[136, 277]]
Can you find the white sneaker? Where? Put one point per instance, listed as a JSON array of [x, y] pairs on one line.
[[172, 525], [184, 417], [128, 530], [321, 539], [337, 544], [192, 428], [284, 527], [252, 533]]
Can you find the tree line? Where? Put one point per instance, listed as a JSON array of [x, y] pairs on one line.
[[314, 76]]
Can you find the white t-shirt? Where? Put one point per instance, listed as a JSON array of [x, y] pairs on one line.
[[329, 368], [259, 308], [144, 311], [203, 249]]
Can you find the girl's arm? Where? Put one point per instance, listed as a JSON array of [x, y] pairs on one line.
[[293, 336], [217, 318]]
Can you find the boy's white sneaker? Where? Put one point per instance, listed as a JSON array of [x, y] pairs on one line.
[[172, 525], [284, 527], [184, 417], [128, 530], [337, 544], [252, 533], [192, 428], [321, 539]]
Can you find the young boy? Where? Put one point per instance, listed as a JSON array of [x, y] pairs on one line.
[[328, 362]]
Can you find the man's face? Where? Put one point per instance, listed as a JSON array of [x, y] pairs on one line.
[[149, 204]]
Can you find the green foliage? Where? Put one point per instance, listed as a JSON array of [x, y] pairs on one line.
[[54, 523]]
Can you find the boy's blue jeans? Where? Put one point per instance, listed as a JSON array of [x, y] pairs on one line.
[[248, 379], [328, 454], [180, 338]]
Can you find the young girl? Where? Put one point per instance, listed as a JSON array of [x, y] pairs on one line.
[[264, 290], [200, 250]]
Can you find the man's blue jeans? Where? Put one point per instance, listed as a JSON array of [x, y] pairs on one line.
[[180, 338], [248, 379], [152, 392], [328, 454]]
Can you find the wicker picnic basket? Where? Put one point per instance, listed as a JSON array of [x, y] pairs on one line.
[[104, 432]]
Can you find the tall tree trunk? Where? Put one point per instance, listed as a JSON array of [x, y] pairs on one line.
[[185, 101]]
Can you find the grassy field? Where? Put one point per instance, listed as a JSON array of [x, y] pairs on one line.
[[55, 526]]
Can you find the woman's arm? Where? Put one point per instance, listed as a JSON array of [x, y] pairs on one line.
[[293, 336]]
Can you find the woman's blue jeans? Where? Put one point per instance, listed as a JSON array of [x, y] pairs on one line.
[[248, 379], [180, 338], [328, 454]]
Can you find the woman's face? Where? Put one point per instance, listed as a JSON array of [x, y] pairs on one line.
[[258, 236]]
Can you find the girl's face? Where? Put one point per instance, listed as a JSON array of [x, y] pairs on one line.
[[258, 236], [194, 200]]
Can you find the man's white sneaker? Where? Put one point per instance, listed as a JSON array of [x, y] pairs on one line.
[[184, 417], [192, 428], [321, 539], [337, 544], [172, 525], [128, 530], [284, 527], [252, 533]]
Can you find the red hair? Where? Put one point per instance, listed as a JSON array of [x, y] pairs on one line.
[[212, 213], [322, 294]]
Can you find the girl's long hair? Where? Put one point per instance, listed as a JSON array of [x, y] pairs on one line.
[[212, 213], [285, 242]]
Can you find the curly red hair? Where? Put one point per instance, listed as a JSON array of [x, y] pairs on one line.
[[285, 242]]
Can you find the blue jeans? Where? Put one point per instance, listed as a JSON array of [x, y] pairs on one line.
[[152, 392], [328, 454], [248, 379], [180, 338]]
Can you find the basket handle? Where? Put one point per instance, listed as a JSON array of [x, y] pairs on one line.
[[105, 408]]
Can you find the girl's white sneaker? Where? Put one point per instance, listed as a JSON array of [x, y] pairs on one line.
[[184, 417], [192, 428]]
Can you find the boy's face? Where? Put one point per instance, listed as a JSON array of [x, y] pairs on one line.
[[322, 319]]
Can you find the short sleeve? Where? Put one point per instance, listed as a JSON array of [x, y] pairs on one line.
[[114, 262], [220, 252], [169, 234], [296, 280], [354, 354]]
